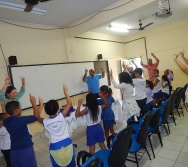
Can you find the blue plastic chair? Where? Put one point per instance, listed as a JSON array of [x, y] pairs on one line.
[[139, 138], [165, 110], [154, 127], [117, 154]]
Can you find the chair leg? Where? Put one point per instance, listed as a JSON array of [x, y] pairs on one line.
[[185, 106], [136, 159], [151, 146], [147, 152], [173, 119], [182, 110], [166, 129], [178, 112], [160, 139]]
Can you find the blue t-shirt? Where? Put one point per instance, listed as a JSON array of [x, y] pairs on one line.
[[93, 83], [17, 128], [107, 113]]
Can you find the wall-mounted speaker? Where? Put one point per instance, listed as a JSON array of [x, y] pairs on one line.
[[99, 56], [12, 60]]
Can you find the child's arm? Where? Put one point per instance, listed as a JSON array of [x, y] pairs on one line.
[[104, 99], [68, 99], [36, 110], [7, 83], [23, 82], [164, 84], [2, 107], [78, 112], [156, 80]]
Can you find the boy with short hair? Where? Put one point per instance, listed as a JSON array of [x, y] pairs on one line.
[[21, 152], [61, 147]]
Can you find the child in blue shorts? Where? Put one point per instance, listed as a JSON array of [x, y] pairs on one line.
[[94, 131], [21, 151], [107, 113], [61, 147]]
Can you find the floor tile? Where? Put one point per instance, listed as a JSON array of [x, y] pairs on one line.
[[177, 138], [168, 154], [183, 158], [177, 164], [173, 145], [161, 162]]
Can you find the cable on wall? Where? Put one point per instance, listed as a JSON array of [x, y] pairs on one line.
[[4, 58], [105, 10]]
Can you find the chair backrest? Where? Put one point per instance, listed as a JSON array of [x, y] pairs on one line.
[[173, 99], [154, 121], [179, 96], [183, 94], [95, 162], [120, 147], [166, 110], [142, 133]]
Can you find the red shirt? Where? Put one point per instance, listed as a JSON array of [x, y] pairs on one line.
[[150, 69]]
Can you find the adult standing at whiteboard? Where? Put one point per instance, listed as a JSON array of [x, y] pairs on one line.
[[93, 80], [150, 66]]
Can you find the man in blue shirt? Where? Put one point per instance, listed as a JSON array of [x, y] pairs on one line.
[[93, 80]]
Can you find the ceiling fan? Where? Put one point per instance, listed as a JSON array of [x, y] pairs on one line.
[[31, 3], [142, 27]]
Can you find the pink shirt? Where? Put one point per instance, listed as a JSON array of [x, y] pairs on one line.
[[150, 69]]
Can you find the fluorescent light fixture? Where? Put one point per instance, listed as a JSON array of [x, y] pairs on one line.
[[119, 27], [20, 7]]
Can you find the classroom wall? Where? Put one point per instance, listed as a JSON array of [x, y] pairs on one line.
[[33, 46], [40, 47], [164, 42]]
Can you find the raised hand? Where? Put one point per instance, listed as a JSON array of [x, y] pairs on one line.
[[7, 80], [22, 80], [65, 88], [86, 70], [32, 99], [182, 53], [152, 54], [102, 69]]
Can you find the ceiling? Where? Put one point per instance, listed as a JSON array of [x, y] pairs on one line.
[[62, 13]]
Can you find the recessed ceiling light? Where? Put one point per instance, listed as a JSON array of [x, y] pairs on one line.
[[119, 27]]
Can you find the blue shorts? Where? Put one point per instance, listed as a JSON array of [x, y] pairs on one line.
[[157, 95], [108, 123], [165, 95], [23, 158], [95, 134], [149, 106]]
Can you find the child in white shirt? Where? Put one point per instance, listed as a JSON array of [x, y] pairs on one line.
[[5, 140], [61, 147], [149, 93]]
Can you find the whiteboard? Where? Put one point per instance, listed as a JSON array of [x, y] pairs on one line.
[[46, 81]]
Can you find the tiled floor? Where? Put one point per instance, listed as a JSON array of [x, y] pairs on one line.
[[174, 153]]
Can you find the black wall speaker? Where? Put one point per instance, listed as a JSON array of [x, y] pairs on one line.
[[99, 56], [12, 60]]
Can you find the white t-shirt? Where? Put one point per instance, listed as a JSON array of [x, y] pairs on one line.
[[166, 89], [157, 87], [139, 86], [56, 128], [89, 121], [126, 89], [149, 94], [5, 139]]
